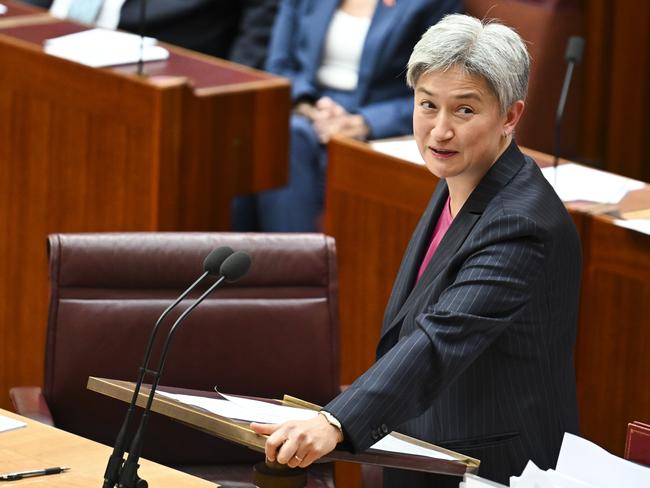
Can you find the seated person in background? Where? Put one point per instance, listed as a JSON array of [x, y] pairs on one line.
[[344, 59], [236, 30], [476, 349]]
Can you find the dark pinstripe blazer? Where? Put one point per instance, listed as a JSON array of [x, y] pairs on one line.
[[477, 356]]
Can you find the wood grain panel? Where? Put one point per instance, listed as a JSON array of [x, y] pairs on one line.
[[628, 150], [612, 361], [88, 150]]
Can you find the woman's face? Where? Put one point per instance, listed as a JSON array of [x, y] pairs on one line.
[[458, 125]]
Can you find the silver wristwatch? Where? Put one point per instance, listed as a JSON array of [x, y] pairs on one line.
[[332, 420]]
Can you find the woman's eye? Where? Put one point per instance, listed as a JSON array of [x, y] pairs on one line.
[[466, 110], [426, 104]]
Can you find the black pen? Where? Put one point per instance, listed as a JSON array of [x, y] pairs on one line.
[[19, 475]]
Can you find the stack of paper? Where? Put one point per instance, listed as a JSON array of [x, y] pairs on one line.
[[104, 47], [583, 464], [574, 182]]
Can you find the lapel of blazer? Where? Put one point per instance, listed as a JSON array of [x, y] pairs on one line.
[[321, 14], [494, 180], [383, 23]]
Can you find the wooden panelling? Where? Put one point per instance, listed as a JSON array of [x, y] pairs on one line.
[[93, 150], [612, 360]]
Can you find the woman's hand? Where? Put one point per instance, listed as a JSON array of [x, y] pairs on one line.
[[348, 125], [299, 443]]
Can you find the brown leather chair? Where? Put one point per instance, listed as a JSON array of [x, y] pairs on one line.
[[273, 332]]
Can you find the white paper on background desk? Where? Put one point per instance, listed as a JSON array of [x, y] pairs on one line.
[[3, 9], [250, 410], [104, 47], [575, 182], [405, 149], [7, 423], [591, 464], [639, 225]]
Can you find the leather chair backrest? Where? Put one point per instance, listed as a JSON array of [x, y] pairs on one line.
[[273, 332]]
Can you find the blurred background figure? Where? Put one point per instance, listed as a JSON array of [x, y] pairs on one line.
[[235, 30], [346, 60]]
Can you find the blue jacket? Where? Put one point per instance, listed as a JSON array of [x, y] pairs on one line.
[[382, 96]]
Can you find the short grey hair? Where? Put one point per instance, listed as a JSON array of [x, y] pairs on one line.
[[488, 49]]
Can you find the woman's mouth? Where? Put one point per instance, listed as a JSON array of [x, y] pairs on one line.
[[442, 153]]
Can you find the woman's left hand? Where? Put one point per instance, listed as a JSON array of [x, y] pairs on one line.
[[299, 443], [348, 125]]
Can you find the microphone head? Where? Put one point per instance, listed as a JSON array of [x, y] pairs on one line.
[[213, 261], [235, 266], [574, 48]]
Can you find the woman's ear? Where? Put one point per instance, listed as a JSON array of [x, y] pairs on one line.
[[513, 114]]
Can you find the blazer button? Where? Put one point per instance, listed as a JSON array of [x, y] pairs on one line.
[[375, 435], [384, 428]]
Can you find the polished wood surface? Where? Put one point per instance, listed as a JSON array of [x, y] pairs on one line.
[[40, 446], [85, 150], [617, 68], [373, 203], [612, 350]]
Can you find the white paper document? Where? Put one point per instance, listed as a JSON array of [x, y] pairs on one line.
[[7, 424], [104, 47], [639, 225], [404, 149], [249, 410], [591, 464], [583, 464], [574, 182], [244, 409]]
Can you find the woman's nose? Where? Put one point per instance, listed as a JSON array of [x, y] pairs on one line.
[[442, 130]]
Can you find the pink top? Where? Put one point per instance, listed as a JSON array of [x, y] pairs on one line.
[[444, 221]]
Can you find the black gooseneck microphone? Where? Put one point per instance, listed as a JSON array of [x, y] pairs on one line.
[[573, 56], [232, 269], [211, 267]]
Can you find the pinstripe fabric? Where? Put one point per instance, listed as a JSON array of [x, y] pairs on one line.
[[478, 355]]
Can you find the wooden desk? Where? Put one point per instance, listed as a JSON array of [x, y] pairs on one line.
[[41, 446], [373, 204], [96, 150]]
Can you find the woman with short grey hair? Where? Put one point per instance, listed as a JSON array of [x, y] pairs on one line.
[[490, 50], [476, 348]]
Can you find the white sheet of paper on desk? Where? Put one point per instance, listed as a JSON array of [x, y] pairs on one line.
[[104, 47], [575, 182], [639, 225], [391, 443], [7, 424], [244, 409], [591, 464], [250, 410], [404, 149]]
